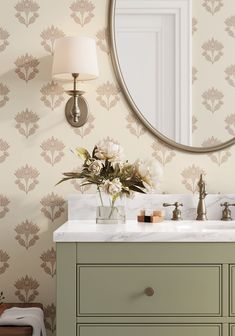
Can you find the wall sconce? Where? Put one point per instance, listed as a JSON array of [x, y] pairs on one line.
[[75, 57]]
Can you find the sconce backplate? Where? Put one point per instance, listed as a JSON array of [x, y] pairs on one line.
[[83, 106]]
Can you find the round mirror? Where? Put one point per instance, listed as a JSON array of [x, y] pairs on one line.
[[174, 61]]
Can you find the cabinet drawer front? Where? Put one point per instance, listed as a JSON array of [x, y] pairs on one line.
[[149, 330], [178, 290]]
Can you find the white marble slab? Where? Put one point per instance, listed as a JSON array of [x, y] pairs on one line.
[[132, 231], [84, 206]]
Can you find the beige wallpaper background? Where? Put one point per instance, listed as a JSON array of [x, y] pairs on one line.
[[213, 71], [35, 139]]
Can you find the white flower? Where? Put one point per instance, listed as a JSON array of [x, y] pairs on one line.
[[109, 150], [150, 172], [112, 187], [95, 167]]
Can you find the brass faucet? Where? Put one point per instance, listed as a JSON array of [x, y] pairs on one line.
[[201, 208]]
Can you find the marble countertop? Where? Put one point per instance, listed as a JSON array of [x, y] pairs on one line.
[[132, 231]]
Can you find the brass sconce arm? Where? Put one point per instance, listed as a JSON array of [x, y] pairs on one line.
[[76, 109]]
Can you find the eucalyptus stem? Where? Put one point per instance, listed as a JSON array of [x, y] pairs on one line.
[[101, 200], [111, 202], [112, 207]]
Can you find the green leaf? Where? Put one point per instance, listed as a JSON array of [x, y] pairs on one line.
[[82, 153], [139, 184], [93, 152], [85, 184], [116, 170], [72, 174], [136, 189], [65, 179]]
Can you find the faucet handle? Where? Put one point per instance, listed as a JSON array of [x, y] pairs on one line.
[[176, 214], [226, 213], [227, 204]]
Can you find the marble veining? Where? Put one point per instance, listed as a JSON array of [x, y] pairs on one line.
[[132, 231], [84, 206]]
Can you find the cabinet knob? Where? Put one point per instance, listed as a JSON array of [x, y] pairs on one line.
[[149, 291]]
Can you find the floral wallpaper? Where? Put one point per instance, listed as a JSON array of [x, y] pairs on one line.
[[213, 93], [36, 141]]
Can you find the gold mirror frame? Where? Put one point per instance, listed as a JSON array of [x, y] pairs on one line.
[[134, 108]]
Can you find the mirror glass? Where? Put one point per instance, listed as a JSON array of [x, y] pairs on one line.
[[176, 60]]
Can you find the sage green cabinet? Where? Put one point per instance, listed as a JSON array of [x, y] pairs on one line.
[[149, 330], [101, 289]]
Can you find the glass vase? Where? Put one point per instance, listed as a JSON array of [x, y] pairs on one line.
[[109, 213]]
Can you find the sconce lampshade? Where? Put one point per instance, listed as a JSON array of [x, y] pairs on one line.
[[75, 55]]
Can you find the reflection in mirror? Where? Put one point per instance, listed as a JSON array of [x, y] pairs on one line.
[[150, 37], [153, 47]]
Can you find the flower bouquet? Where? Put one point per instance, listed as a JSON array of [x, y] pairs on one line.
[[113, 177]]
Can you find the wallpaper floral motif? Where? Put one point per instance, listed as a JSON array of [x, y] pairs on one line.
[[49, 36], [52, 95], [26, 289], [108, 95], [26, 67], [27, 234], [82, 11], [36, 141], [26, 178], [27, 12], [26, 122], [52, 206], [212, 50], [212, 6]]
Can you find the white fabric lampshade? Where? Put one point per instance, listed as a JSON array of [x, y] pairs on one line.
[[75, 55]]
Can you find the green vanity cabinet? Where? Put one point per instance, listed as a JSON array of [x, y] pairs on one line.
[[151, 289]]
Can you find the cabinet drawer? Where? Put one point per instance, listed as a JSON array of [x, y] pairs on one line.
[[179, 290], [150, 330]]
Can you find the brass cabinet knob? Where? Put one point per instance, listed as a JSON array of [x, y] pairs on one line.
[[149, 291]]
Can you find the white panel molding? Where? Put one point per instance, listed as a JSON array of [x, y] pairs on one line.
[[157, 30], [181, 10]]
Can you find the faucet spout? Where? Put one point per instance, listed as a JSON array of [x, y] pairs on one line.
[[201, 208]]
